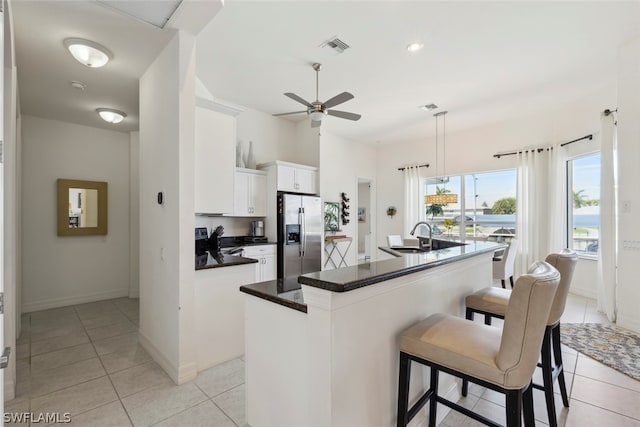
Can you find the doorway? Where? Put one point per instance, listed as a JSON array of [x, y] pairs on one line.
[[365, 219]]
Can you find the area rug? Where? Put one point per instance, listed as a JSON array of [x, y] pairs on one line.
[[616, 347]]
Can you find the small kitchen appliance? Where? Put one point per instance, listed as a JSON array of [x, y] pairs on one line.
[[256, 228]]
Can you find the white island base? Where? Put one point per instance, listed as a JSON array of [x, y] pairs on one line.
[[337, 364]]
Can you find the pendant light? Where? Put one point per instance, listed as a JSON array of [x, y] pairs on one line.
[[444, 198]]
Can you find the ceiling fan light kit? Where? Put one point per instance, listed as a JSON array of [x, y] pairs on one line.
[[317, 110]]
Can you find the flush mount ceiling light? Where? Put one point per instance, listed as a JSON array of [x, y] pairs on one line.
[[442, 196], [414, 47], [428, 107], [88, 53], [111, 116]]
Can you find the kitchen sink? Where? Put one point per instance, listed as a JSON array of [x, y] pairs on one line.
[[409, 249]]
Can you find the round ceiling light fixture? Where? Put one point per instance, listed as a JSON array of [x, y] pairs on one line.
[[88, 53], [111, 116], [414, 47], [78, 85]]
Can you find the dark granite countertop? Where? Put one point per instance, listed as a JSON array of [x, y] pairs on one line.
[[349, 278], [211, 259], [285, 292]]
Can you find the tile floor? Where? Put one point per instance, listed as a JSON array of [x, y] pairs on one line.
[[86, 360]]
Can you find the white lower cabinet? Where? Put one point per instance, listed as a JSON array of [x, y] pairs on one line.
[[266, 256]]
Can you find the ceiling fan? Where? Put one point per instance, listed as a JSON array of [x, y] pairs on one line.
[[317, 110]]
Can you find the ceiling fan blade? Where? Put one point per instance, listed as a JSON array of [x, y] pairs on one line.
[[315, 123], [344, 115], [298, 99], [338, 99], [287, 114]]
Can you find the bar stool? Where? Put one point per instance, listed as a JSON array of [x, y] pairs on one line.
[[503, 361], [493, 302], [504, 266]]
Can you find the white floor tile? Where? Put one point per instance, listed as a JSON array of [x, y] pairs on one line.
[[113, 330], [205, 414], [77, 399], [104, 320], [221, 378], [58, 343], [109, 415], [45, 382], [138, 378], [584, 415], [119, 344], [58, 358], [158, 403], [232, 403], [593, 369], [603, 395], [114, 362]]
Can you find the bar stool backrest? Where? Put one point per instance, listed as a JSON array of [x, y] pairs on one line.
[[525, 322], [505, 268], [565, 262]]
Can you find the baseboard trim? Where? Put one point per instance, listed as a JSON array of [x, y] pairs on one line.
[[583, 292], [134, 293], [66, 301], [625, 322], [179, 375]]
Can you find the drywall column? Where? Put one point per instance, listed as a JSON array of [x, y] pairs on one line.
[[134, 214], [167, 120], [629, 175]]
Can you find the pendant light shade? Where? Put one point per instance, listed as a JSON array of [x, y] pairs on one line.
[[441, 198]]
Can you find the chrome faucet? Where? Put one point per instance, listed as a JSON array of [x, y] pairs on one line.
[[423, 242]]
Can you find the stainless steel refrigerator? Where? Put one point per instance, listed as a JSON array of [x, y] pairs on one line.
[[300, 230]]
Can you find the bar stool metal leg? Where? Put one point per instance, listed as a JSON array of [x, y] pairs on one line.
[[433, 402], [527, 407], [403, 390], [557, 355], [514, 408], [547, 378]]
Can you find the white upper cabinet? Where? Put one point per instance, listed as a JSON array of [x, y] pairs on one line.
[[294, 178], [250, 193], [214, 166]]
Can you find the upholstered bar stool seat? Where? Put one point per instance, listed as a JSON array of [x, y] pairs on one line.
[[493, 302], [502, 360]]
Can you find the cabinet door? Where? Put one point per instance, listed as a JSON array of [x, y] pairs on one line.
[[242, 189], [258, 200], [214, 165], [306, 181], [268, 267], [286, 178]]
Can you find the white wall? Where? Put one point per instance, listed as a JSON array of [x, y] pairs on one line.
[[271, 136], [167, 120], [629, 176], [134, 215], [72, 269], [342, 162]]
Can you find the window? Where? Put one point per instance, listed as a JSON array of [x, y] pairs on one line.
[[487, 199], [583, 213]]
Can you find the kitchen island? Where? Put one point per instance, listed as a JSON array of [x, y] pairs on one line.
[[336, 363]]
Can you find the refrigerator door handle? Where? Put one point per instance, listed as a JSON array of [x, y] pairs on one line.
[[303, 231], [300, 237]]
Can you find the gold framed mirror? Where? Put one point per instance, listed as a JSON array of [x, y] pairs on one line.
[[82, 207]]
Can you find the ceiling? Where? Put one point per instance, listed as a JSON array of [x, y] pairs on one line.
[[45, 68], [481, 61]]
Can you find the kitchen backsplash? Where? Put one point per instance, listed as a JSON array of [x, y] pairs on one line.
[[232, 226]]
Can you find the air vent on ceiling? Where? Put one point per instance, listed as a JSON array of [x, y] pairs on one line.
[[336, 44]]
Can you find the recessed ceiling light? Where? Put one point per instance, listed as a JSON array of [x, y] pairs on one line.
[[428, 107], [111, 116], [414, 47], [88, 53], [78, 85]]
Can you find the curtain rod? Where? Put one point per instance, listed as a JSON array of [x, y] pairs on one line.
[[498, 155], [426, 165]]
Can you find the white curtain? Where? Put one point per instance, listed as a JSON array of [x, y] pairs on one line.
[[540, 211], [607, 258], [412, 198]]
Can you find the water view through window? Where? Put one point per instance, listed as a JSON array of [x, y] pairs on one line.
[[583, 217], [487, 199]]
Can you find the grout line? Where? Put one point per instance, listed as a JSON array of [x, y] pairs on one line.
[[223, 411], [611, 384]]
